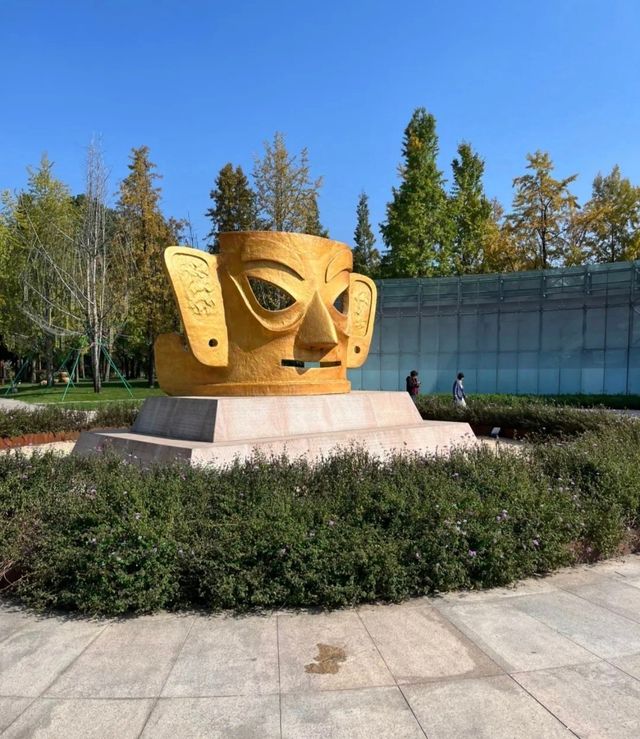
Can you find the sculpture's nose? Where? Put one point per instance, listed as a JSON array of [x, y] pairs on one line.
[[317, 330]]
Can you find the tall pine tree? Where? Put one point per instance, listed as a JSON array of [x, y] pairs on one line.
[[234, 204], [141, 223], [366, 258], [312, 223], [470, 212], [417, 231]]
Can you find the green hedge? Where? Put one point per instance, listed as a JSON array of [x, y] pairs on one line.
[[618, 402], [561, 415], [43, 419], [101, 536], [513, 412]]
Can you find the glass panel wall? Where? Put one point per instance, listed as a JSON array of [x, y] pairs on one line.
[[574, 330]]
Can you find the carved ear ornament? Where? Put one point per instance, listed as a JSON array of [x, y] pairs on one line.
[[362, 309], [194, 278]]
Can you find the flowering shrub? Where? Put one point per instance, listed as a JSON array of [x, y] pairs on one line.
[[101, 536], [526, 415], [42, 419]]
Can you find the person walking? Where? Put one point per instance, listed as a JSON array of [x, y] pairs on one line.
[[413, 384], [459, 396]]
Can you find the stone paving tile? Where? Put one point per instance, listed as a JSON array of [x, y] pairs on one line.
[[10, 709], [594, 701], [595, 628], [515, 640], [31, 657], [629, 566], [630, 665], [627, 570], [328, 651], [227, 656], [419, 644], [349, 714], [577, 576], [49, 718], [424, 601], [531, 586], [236, 717], [12, 619], [491, 707], [130, 659], [613, 594], [632, 581]]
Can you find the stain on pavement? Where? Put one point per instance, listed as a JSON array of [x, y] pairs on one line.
[[327, 661]]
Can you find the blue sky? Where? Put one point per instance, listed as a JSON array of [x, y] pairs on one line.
[[203, 83]]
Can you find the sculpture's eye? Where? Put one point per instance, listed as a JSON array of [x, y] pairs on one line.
[[341, 303], [270, 296]]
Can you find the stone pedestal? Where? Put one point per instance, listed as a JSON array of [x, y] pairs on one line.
[[215, 431]]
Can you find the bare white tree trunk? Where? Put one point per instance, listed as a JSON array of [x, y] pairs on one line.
[[91, 277]]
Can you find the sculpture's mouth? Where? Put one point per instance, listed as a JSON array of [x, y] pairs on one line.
[[299, 364]]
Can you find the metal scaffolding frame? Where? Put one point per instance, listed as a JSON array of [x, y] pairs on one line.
[[571, 330]]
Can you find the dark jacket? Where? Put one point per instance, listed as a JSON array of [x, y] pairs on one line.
[[413, 385]]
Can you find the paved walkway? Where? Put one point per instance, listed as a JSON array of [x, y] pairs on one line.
[[555, 657], [10, 404]]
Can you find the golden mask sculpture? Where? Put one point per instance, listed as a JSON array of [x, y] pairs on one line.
[[271, 314]]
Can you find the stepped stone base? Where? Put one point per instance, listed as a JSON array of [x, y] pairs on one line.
[[218, 430]]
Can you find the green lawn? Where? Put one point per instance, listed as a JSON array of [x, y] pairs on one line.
[[82, 395]]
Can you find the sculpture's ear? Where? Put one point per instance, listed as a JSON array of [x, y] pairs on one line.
[[362, 310], [194, 279]]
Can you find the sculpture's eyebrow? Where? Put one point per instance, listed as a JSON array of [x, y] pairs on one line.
[[273, 253], [342, 261]]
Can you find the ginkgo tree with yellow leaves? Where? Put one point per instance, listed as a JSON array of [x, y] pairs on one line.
[[611, 219], [542, 214]]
